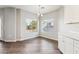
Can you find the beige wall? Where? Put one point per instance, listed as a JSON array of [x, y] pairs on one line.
[[54, 34], [14, 24], [24, 16], [9, 23]]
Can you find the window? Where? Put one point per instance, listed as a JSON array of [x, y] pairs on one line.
[[31, 25], [47, 25]]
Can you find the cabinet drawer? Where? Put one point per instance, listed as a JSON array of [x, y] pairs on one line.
[[76, 43], [68, 40], [76, 50], [61, 46]]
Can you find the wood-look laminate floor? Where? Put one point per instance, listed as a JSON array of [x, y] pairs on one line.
[[31, 46]]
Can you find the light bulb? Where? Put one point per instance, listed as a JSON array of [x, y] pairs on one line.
[[41, 14]]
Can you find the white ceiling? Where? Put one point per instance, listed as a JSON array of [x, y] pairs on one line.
[[35, 8]]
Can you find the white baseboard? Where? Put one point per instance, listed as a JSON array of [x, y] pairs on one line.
[[15, 40], [49, 37], [8, 40], [22, 39]]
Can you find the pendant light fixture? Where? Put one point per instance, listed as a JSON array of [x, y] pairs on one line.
[[40, 9]]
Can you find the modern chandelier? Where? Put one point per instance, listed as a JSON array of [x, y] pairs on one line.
[[40, 9]]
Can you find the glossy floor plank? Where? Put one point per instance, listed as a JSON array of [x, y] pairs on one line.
[[31, 46]]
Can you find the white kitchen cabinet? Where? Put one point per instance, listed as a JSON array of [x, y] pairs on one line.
[[76, 43], [71, 14], [76, 50], [76, 47], [68, 45], [61, 43], [65, 44]]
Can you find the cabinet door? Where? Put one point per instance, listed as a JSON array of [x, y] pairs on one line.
[[76, 47], [62, 46], [71, 14], [76, 50], [67, 14], [61, 43], [68, 45]]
